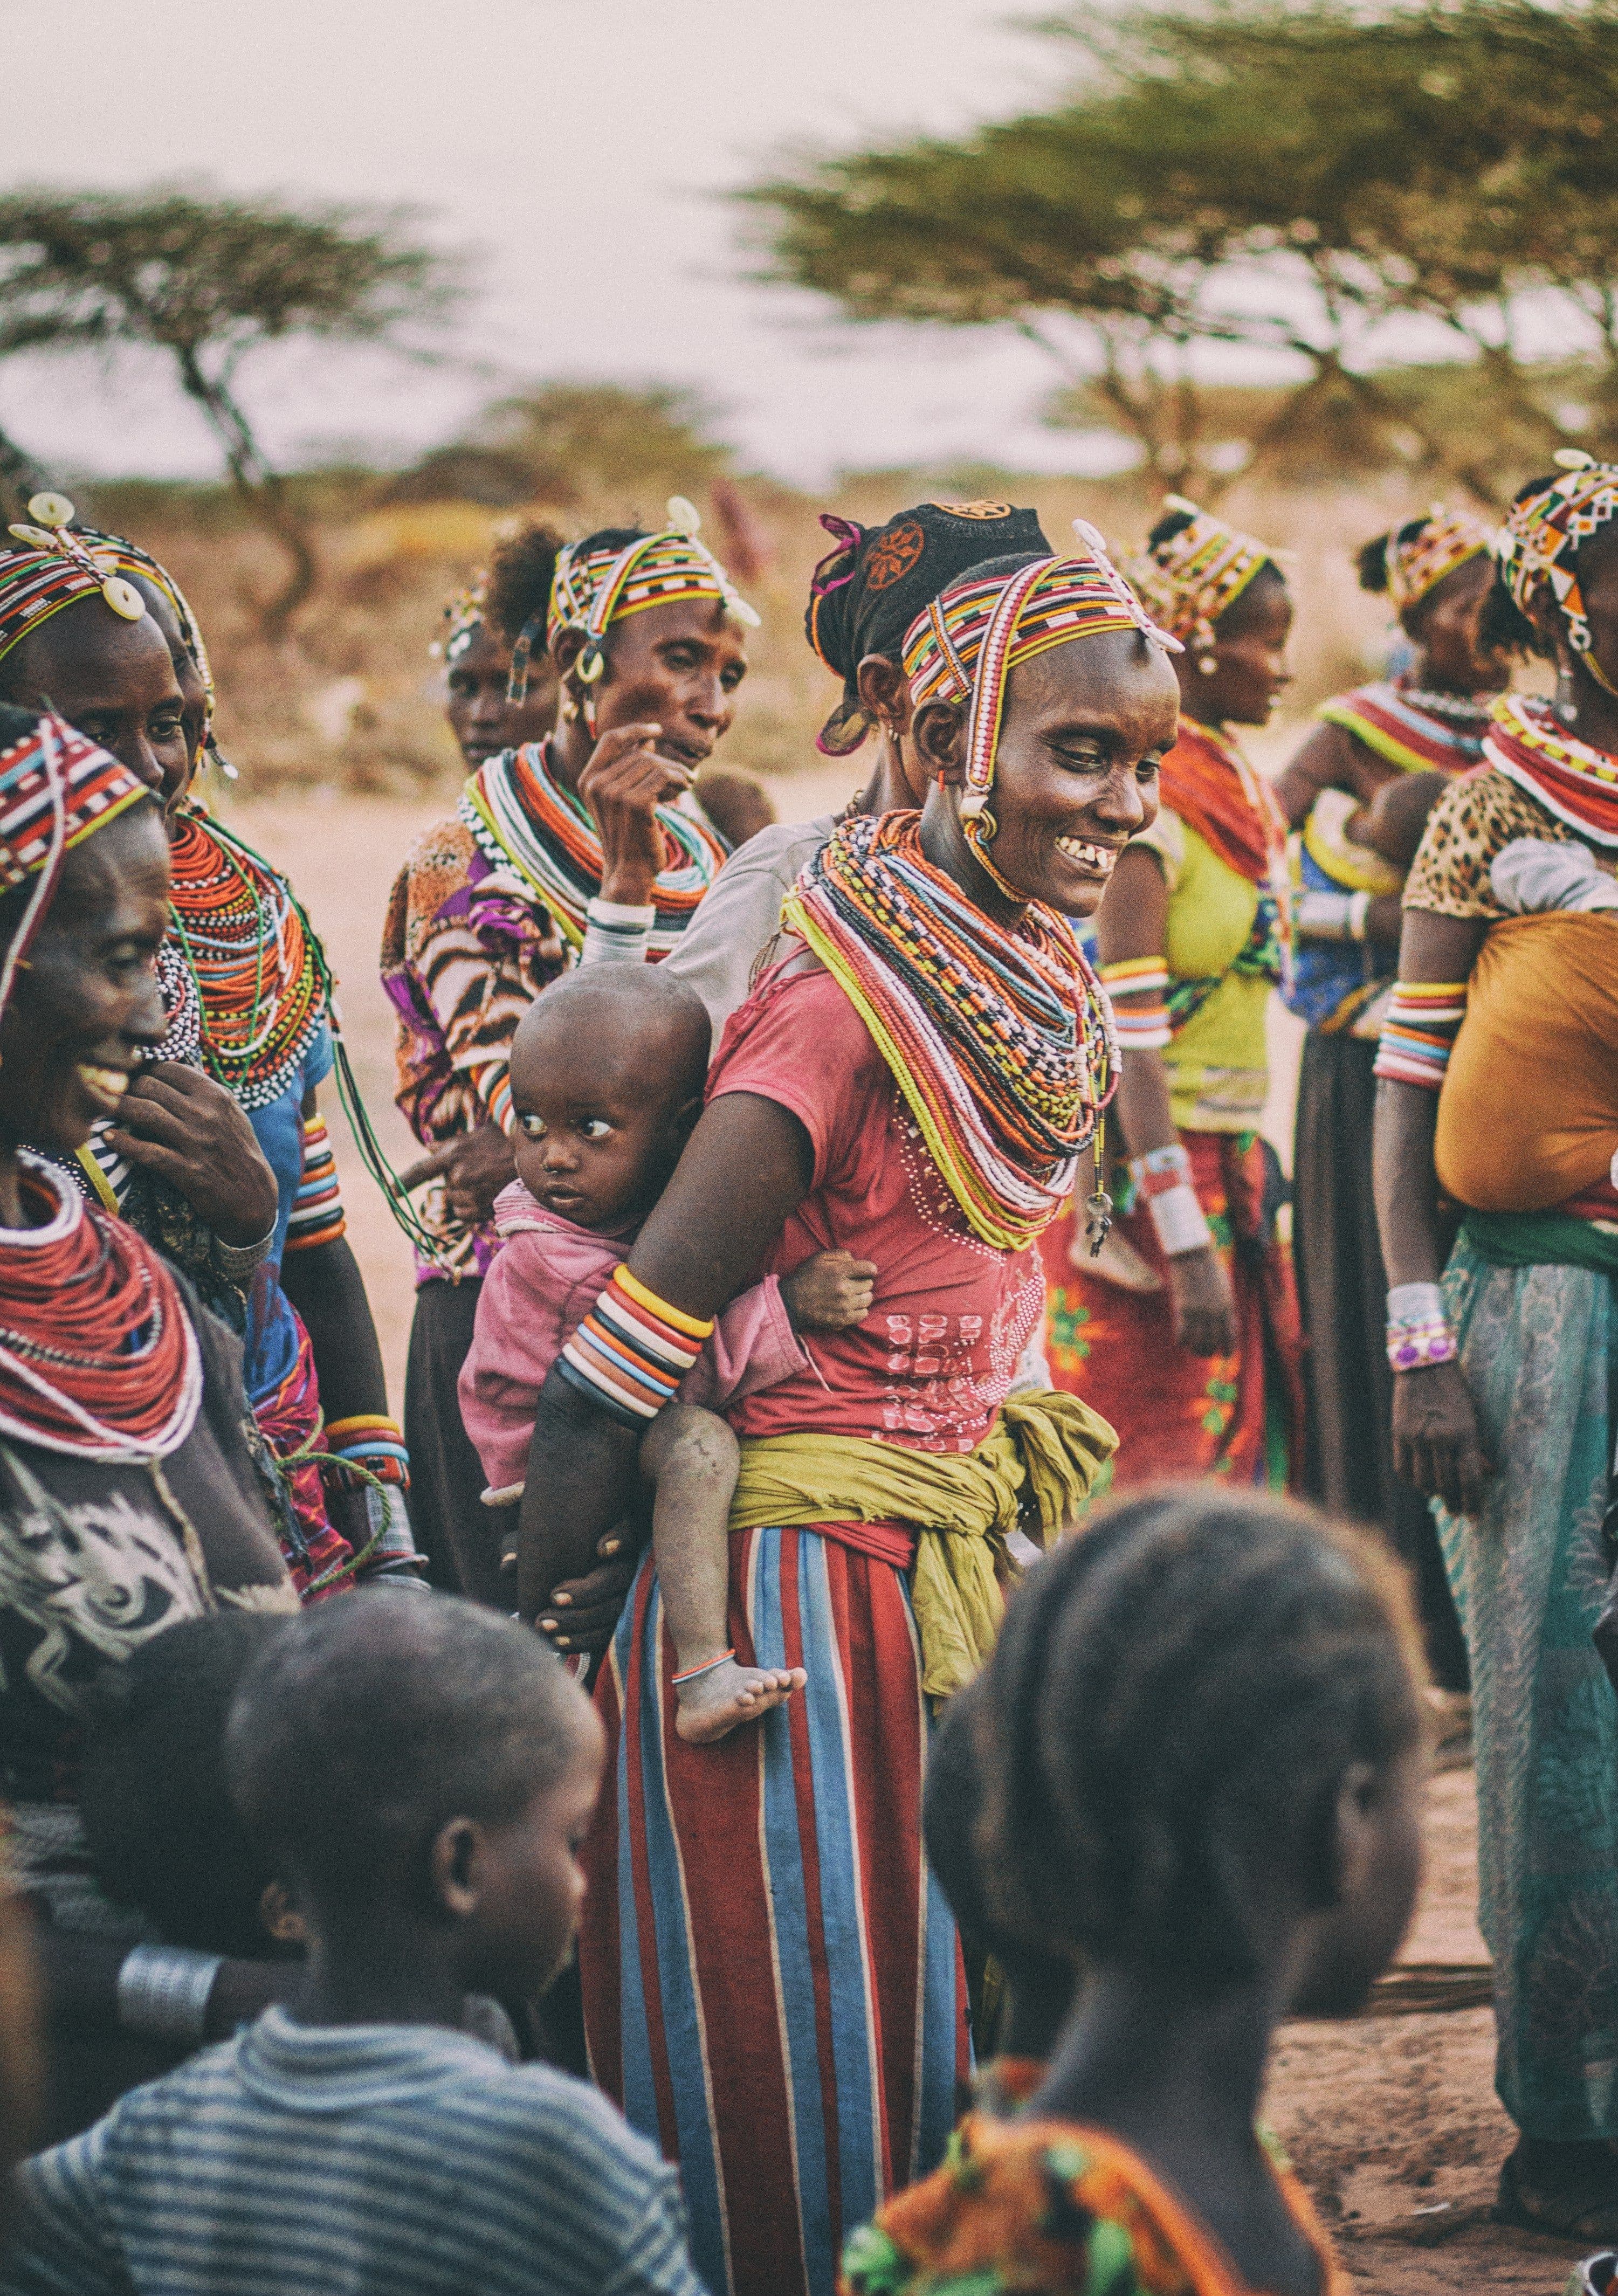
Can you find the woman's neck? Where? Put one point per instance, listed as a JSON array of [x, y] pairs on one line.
[[567, 751], [887, 791], [1594, 711], [947, 846]]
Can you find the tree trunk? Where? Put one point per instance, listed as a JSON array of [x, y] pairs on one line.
[[263, 491]]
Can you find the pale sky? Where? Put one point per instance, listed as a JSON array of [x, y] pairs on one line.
[[576, 146]]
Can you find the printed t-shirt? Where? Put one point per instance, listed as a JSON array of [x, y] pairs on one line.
[[932, 1361], [1218, 1063]]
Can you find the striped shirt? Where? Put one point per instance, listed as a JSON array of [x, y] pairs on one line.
[[352, 2160]]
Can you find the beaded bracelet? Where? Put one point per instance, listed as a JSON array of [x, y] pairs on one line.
[[1164, 1178], [707, 1667], [163, 1991], [1418, 1329], [616, 932], [632, 1350]]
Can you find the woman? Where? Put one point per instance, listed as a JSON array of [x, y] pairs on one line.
[[1496, 1086], [128, 1497], [917, 1091], [476, 653], [1196, 1362], [581, 847], [229, 1170], [865, 596], [1359, 788]]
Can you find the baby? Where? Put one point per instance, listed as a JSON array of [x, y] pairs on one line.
[[607, 1069]]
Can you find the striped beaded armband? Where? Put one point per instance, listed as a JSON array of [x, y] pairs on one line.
[[371, 1441], [1418, 1034], [317, 1213], [632, 1350], [1142, 1027]]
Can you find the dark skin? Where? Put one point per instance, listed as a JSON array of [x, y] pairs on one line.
[[665, 700], [1084, 730], [1249, 677], [1448, 659], [480, 717], [1437, 1444], [1176, 2069]]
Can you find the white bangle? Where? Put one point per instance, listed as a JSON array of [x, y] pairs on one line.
[[1415, 1304], [163, 1991], [1320, 915], [616, 932], [1180, 1221], [1358, 910]]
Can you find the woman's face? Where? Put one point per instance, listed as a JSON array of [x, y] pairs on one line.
[[87, 1001], [1250, 673], [1444, 626], [480, 717], [677, 667], [188, 677], [1083, 733], [113, 680]]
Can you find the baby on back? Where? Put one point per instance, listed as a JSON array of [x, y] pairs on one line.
[[607, 1072]]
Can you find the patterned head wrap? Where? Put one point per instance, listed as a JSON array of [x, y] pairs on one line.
[[866, 594], [54, 569], [464, 617], [968, 642], [597, 584], [1417, 562], [1198, 574], [119, 555], [56, 789], [1534, 550]]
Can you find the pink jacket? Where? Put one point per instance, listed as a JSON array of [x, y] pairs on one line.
[[541, 1287]]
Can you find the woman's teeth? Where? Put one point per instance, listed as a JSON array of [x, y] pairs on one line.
[[112, 1084], [1101, 858]]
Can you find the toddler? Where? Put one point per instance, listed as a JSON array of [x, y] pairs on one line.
[[607, 1070]]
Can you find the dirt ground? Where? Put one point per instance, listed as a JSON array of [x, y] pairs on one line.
[[1392, 2122]]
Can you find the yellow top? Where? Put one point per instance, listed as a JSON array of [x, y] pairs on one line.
[[1219, 1072]]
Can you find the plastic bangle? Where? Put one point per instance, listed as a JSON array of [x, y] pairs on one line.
[[616, 932], [707, 1667], [1180, 1221], [1412, 1347], [1416, 1303], [163, 1990], [1161, 1169], [1358, 910]]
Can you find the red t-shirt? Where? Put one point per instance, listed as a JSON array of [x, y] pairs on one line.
[[931, 1364]]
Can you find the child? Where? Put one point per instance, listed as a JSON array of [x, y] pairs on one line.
[[418, 1774], [1202, 1767], [607, 1070]]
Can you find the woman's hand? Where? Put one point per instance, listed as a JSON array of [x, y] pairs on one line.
[[179, 1123], [1203, 1304], [1436, 1443], [474, 1167], [582, 1613], [831, 1292], [622, 785]]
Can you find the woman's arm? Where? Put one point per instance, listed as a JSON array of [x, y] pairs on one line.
[[325, 1285], [1326, 760], [746, 1167], [1436, 1444], [1132, 926]]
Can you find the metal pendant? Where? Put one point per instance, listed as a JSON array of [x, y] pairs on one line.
[[1098, 1221]]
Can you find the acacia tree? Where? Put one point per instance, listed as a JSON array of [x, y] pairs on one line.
[[1257, 175], [207, 280]]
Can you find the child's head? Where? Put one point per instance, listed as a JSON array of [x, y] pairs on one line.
[[1204, 1749], [1397, 814], [607, 1070], [158, 1821], [421, 1770]]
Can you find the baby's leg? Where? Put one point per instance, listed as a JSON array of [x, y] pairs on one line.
[[691, 1457]]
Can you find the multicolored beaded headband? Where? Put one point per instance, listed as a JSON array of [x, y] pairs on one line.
[[464, 617], [115, 553], [56, 788], [595, 587], [1444, 540], [1548, 526], [967, 643], [54, 572], [1198, 574]]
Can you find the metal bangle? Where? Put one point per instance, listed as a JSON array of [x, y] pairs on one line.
[[241, 1260], [163, 1991]]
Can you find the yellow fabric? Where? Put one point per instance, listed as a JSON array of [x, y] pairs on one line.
[[1528, 1115], [1218, 1064], [1046, 1448]]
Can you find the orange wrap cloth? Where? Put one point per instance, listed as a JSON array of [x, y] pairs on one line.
[[1542, 1005]]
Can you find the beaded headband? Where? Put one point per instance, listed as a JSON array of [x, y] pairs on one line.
[[595, 587], [115, 553], [54, 571], [1197, 575], [968, 642], [463, 617], [1444, 540], [1548, 527], [56, 788]]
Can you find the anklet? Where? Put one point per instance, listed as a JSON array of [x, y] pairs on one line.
[[707, 1667]]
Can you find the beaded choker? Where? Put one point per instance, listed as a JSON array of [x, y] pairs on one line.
[[1572, 780], [97, 1353], [1002, 1042], [523, 819], [259, 969], [1413, 729]]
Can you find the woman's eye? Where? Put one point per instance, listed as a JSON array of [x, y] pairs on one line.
[[532, 1127], [594, 1128]]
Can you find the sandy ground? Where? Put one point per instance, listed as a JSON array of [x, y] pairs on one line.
[[1392, 2122]]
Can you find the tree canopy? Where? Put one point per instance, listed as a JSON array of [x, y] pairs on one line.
[[1255, 174]]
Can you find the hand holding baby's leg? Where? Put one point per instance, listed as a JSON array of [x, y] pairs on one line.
[[831, 1292], [693, 1457]]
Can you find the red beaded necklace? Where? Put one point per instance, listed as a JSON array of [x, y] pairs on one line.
[[97, 1353]]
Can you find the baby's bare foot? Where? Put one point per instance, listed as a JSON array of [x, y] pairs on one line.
[[714, 1703]]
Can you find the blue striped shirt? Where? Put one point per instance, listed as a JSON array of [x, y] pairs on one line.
[[353, 2160]]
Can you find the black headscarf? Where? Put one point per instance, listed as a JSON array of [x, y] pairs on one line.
[[866, 595]]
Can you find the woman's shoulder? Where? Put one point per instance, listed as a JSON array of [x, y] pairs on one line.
[[1476, 817], [798, 1020], [435, 868]]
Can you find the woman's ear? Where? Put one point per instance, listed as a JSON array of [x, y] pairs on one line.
[[938, 735], [280, 1917], [1550, 633], [886, 692], [566, 647], [1349, 1849]]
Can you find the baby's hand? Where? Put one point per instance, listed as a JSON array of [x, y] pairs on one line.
[[830, 1292]]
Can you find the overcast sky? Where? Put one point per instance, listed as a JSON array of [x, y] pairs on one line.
[[575, 146]]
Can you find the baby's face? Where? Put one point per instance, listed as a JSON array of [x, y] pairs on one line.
[[597, 1130]]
